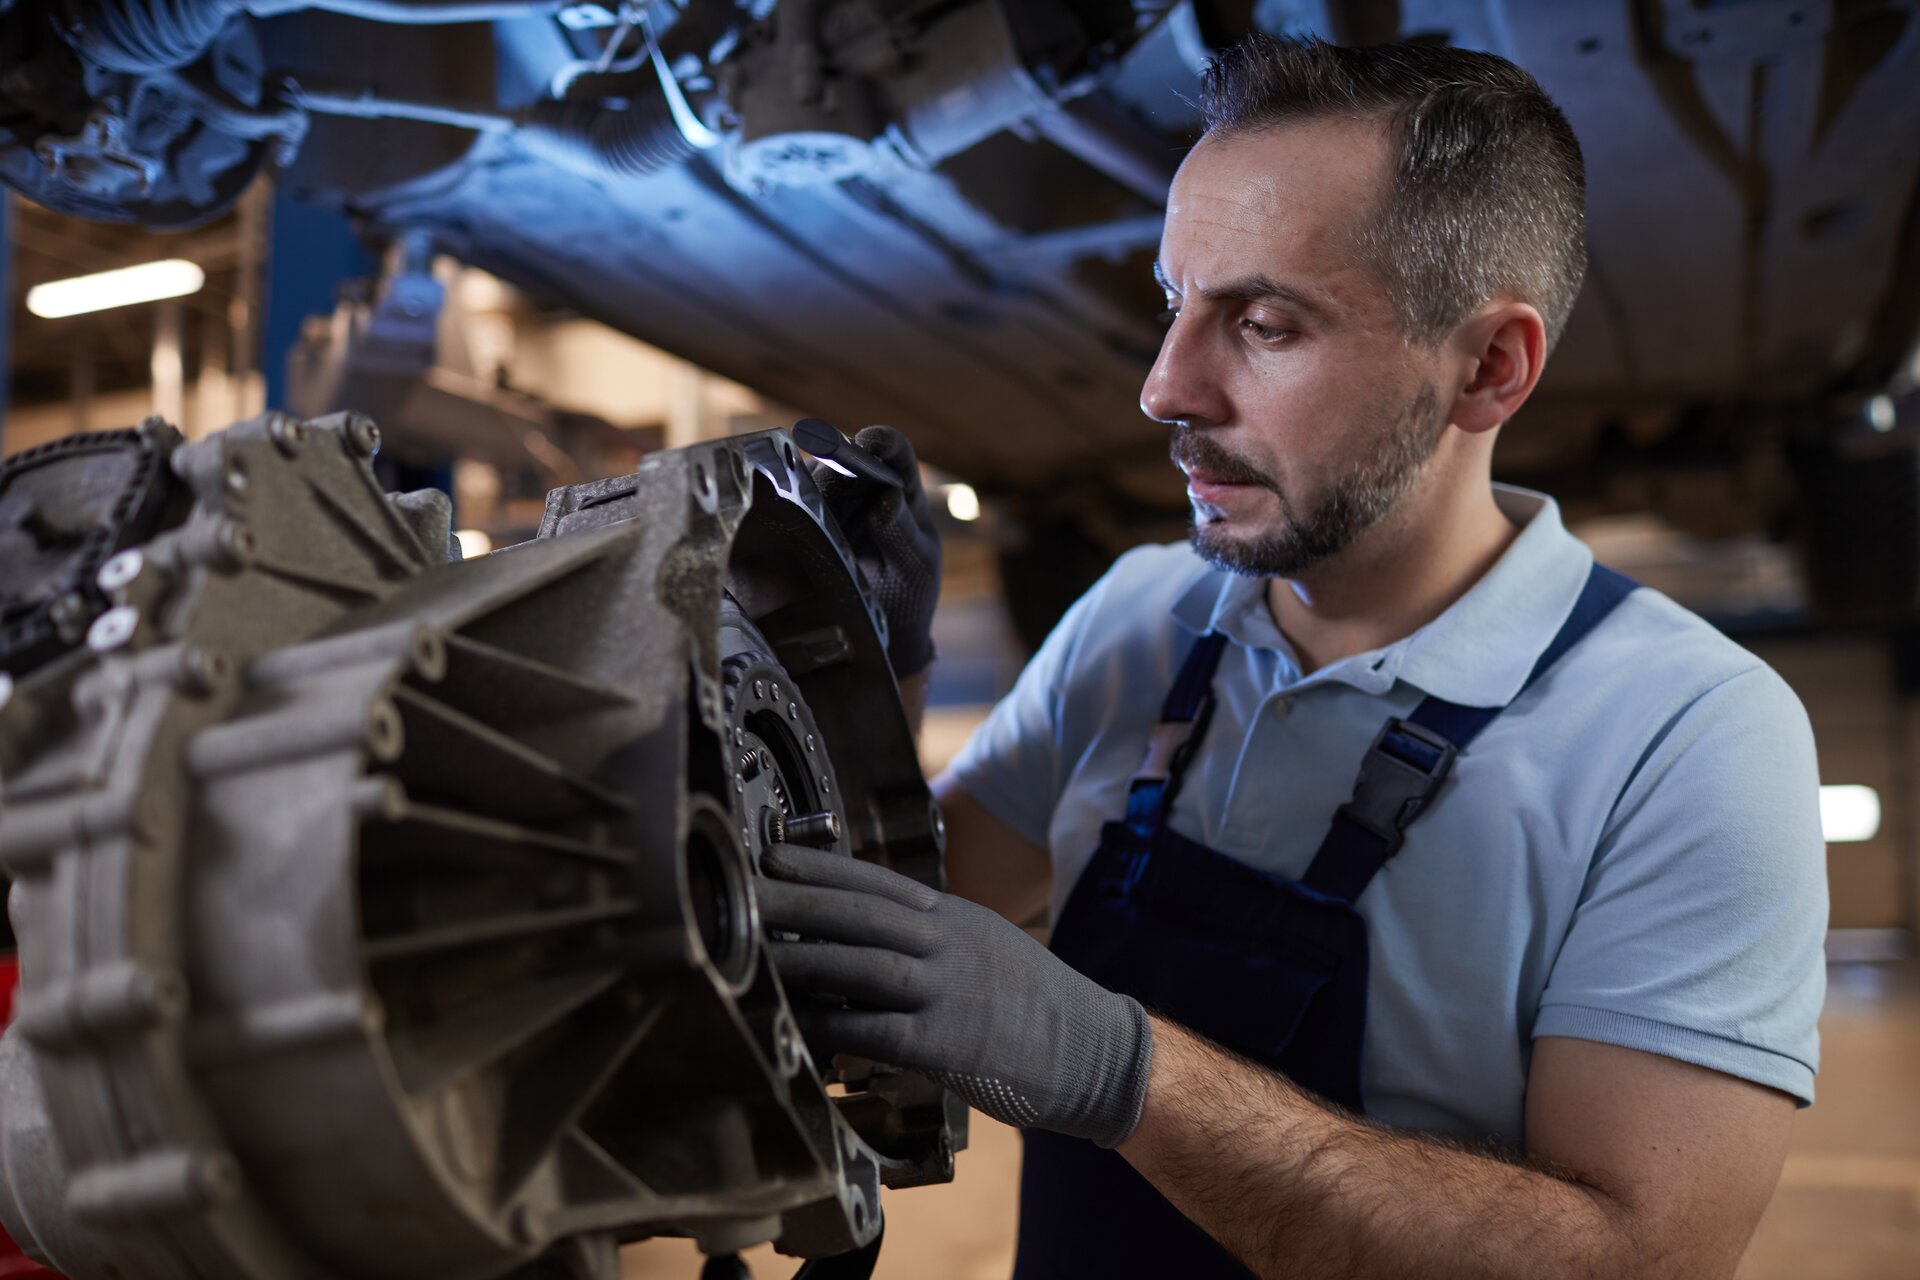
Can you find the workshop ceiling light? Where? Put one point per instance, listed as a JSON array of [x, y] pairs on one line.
[[962, 502], [473, 543], [1849, 813], [149, 282]]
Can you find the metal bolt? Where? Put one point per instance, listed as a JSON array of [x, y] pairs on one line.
[[121, 570], [759, 688], [386, 735], [286, 433], [776, 693], [818, 830], [236, 478], [793, 711], [6, 689], [809, 742], [113, 628], [363, 435]]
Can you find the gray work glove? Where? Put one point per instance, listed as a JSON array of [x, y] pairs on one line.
[[892, 534], [946, 987]]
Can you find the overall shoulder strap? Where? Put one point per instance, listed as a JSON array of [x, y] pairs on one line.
[[1183, 723], [1411, 757]]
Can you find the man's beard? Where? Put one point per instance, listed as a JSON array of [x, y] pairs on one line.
[[1308, 538]]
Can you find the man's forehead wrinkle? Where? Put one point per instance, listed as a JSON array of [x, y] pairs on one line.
[[1259, 287], [1259, 202]]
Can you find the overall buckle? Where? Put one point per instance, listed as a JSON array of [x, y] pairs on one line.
[[1403, 769]]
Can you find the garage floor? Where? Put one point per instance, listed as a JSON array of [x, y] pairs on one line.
[[1848, 1207]]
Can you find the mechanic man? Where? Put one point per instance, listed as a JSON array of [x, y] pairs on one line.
[[1562, 1028]]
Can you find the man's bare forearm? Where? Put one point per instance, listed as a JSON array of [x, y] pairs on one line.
[[1296, 1190]]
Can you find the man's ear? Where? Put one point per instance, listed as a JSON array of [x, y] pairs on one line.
[[1503, 348]]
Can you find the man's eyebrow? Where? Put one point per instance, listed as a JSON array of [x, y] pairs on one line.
[[1254, 288]]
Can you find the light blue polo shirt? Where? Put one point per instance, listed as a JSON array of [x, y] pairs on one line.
[[1631, 853]]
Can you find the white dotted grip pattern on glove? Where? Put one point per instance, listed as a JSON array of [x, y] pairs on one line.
[[995, 1097]]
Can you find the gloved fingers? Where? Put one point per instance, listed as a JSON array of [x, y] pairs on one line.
[[838, 871], [870, 975], [850, 499], [841, 915], [904, 541], [883, 1037], [894, 449]]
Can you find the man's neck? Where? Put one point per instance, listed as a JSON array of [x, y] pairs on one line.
[[1400, 575]]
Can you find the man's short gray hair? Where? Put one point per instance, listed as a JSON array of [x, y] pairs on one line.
[[1489, 189]]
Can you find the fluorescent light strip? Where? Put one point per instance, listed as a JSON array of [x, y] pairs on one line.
[[1849, 814], [149, 282]]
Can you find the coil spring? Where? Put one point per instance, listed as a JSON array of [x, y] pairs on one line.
[[637, 139], [144, 36]]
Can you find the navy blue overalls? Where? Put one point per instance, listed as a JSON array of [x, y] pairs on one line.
[[1273, 969]]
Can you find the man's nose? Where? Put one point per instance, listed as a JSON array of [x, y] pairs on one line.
[[1182, 386]]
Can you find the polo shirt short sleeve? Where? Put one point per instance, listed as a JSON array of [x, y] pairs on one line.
[[1631, 853], [1693, 933]]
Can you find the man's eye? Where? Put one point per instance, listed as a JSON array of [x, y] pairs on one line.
[[1265, 332]]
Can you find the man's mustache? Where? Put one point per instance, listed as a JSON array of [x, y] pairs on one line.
[[1194, 450]]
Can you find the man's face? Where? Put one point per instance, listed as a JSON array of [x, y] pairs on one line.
[[1301, 415]]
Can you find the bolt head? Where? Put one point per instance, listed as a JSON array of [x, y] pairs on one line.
[[121, 570], [363, 436], [113, 628], [287, 433]]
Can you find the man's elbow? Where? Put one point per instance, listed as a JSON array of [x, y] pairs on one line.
[[1647, 1240]]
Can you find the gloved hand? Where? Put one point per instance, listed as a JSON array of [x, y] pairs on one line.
[[946, 987], [894, 543]]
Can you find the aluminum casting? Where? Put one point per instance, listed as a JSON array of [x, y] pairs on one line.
[[387, 914]]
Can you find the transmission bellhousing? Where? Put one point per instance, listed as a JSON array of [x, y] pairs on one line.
[[386, 914]]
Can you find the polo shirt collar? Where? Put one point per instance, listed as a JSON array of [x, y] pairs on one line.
[[1479, 652]]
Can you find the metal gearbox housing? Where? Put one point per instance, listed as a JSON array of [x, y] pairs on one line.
[[385, 914]]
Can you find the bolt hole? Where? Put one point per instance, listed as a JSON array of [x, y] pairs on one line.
[[1591, 44], [722, 913], [386, 734]]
